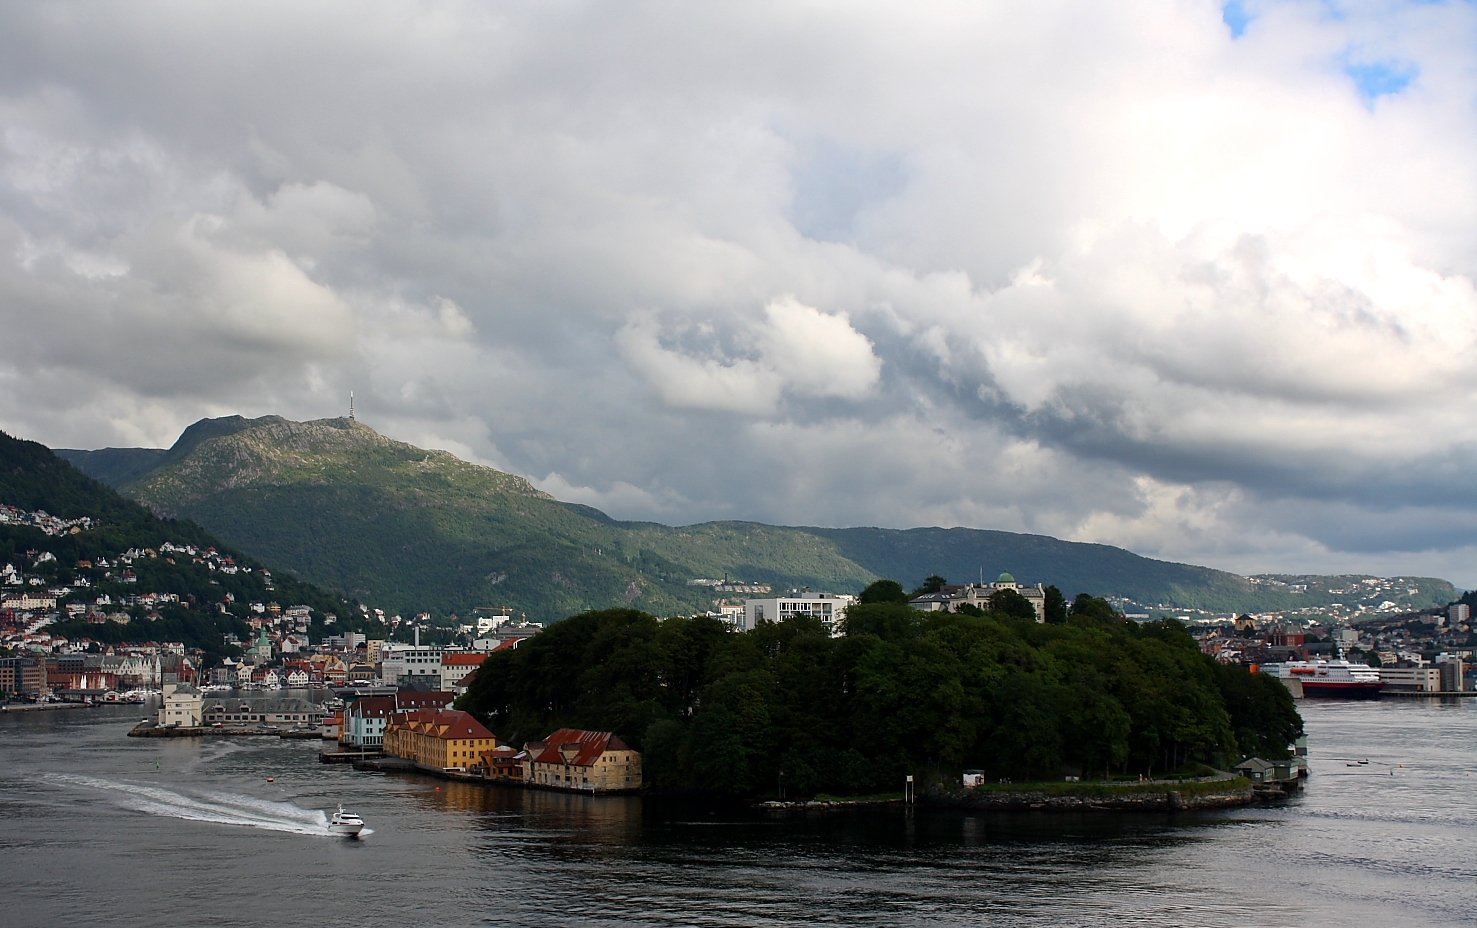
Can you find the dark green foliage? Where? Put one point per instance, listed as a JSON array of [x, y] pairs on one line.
[[884, 591], [117, 467], [1093, 608], [1056, 606], [1263, 714], [785, 706], [1009, 602], [931, 584]]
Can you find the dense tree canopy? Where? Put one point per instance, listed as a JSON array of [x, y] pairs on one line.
[[901, 692]]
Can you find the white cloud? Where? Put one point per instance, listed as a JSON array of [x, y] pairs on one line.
[[1100, 270], [797, 350]]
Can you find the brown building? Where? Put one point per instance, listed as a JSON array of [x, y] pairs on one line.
[[504, 762], [444, 738], [23, 675], [583, 761]]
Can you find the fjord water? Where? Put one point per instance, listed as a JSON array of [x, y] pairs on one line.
[[97, 828]]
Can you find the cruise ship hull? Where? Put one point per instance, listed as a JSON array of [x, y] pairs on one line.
[[1322, 689]]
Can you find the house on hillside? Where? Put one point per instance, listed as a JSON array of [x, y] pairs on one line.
[[583, 761], [950, 598]]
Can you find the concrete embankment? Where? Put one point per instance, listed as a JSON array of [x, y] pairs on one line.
[[1150, 798], [45, 706]]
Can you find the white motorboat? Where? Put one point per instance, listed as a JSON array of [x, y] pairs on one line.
[[345, 823]]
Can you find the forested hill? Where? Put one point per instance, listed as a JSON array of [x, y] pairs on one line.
[[412, 529], [904, 692], [90, 559]]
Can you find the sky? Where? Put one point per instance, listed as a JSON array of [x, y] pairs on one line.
[[1191, 278]]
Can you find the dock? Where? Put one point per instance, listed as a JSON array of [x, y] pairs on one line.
[[152, 730], [348, 757]]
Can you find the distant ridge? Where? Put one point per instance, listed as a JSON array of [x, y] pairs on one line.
[[348, 508]]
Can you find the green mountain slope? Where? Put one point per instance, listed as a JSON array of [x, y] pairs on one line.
[[118, 467], [412, 530]]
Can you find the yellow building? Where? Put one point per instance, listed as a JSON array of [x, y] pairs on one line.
[[584, 761], [445, 738]]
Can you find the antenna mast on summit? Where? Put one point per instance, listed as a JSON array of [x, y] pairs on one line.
[[351, 404]]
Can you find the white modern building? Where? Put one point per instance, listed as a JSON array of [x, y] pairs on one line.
[[828, 608], [410, 663]]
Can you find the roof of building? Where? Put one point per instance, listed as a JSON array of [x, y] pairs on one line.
[[463, 659], [423, 699], [446, 724], [1005, 578], [586, 747], [1255, 765], [371, 706]]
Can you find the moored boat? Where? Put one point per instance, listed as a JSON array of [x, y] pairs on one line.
[[1336, 679]]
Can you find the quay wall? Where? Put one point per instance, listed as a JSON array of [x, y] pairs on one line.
[[1166, 799]]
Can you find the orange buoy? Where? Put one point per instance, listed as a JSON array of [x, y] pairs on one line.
[[271, 779]]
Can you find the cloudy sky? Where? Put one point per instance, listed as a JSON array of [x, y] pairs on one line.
[[1188, 277]]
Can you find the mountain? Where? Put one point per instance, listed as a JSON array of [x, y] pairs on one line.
[[79, 537], [411, 530]]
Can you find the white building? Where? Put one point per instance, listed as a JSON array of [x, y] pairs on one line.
[[410, 663], [364, 721], [950, 598], [1460, 614], [1412, 679], [182, 706], [829, 608]]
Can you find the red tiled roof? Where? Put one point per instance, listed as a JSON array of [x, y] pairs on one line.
[[446, 724], [463, 660], [590, 744], [508, 644]]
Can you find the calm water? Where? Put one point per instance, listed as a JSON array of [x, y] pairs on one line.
[[97, 828]]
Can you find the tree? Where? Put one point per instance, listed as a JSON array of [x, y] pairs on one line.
[[1056, 606], [1093, 608], [884, 591], [932, 585], [901, 692], [1009, 602]]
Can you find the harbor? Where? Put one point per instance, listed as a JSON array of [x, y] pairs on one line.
[[125, 817]]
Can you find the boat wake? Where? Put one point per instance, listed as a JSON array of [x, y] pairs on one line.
[[205, 806]]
